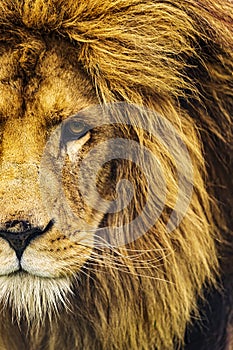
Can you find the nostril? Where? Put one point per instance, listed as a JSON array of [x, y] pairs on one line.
[[18, 226], [19, 233]]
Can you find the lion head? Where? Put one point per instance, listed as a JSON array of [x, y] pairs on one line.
[[115, 118]]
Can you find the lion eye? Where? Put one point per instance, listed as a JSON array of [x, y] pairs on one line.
[[73, 130], [77, 127]]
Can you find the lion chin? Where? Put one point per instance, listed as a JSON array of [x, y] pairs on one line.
[[34, 298]]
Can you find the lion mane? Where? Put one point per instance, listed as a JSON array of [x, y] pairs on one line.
[[163, 290]]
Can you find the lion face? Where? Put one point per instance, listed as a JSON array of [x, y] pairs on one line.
[[31, 108]]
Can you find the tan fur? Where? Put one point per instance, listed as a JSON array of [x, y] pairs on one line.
[[59, 58]]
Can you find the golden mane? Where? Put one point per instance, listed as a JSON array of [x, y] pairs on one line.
[[175, 59]]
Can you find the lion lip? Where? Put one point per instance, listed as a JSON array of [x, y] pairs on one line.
[[18, 272], [22, 272]]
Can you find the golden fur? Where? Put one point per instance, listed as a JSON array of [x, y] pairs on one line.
[[59, 58]]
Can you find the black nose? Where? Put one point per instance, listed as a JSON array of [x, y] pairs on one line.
[[20, 233]]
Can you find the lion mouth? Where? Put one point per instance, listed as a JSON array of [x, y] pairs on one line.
[[22, 273]]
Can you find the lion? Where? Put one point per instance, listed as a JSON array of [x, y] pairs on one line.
[[98, 249]]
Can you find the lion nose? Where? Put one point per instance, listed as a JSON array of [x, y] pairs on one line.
[[20, 233]]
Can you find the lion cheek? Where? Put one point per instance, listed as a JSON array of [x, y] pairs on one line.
[[54, 262]]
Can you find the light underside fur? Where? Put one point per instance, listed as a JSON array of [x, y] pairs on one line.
[[39, 296], [175, 58]]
